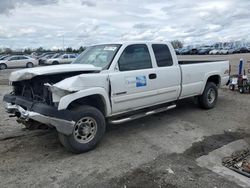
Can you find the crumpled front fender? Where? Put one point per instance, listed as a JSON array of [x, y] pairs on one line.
[[68, 99]]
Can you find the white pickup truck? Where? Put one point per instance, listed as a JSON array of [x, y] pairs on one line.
[[112, 83]]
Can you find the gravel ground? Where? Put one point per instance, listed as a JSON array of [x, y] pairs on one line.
[[157, 151]]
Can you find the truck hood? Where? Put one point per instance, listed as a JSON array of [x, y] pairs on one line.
[[27, 74]]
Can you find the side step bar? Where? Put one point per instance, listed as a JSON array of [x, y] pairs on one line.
[[140, 115]]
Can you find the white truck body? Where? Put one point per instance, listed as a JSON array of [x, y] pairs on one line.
[[121, 88]]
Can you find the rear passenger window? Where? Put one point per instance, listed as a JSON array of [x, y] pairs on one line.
[[162, 55], [135, 57]]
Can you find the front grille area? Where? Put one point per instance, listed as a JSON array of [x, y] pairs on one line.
[[33, 91]]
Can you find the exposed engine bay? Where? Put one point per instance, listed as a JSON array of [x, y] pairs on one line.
[[35, 90]]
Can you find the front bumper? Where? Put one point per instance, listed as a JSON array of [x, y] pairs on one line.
[[62, 120]]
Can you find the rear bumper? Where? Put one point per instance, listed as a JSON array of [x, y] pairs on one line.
[[62, 120]]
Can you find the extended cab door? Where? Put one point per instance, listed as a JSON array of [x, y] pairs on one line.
[[168, 72], [137, 81]]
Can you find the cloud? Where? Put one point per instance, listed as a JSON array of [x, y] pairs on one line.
[[8, 5], [88, 3], [83, 22]]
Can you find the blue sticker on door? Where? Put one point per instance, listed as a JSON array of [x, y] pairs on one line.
[[141, 81]]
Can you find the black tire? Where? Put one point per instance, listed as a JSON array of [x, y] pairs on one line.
[[206, 101], [55, 63], [74, 143], [242, 90], [29, 65], [3, 66], [232, 87]]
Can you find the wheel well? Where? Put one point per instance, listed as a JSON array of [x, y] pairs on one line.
[[3, 64], [215, 79], [93, 100]]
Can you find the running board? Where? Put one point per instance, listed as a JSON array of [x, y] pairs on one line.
[[140, 115]]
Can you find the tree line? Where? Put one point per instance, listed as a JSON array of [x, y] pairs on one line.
[[176, 44]]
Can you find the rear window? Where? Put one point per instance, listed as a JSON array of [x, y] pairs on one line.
[[162, 55]]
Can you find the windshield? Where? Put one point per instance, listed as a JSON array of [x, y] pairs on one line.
[[4, 57], [99, 56], [56, 56]]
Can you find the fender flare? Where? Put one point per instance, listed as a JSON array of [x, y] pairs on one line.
[[68, 99], [214, 73]]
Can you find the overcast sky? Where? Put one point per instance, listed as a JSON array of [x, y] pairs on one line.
[[34, 23]]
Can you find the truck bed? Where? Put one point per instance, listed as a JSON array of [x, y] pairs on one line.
[[195, 73]]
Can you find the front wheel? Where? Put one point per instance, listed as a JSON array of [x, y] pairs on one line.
[[209, 96], [3, 66], [55, 63], [88, 130], [29, 65]]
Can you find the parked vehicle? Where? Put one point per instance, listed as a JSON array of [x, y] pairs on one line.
[[223, 51], [40, 57], [3, 57], [243, 50], [231, 51], [18, 61], [204, 51], [113, 83], [184, 51], [177, 51], [62, 59], [193, 51], [214, 52], [44, 58]]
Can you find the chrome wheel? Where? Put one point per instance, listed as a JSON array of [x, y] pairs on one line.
[[211, 95], [85, 130]]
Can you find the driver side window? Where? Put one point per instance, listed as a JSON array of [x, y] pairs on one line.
[[14, 58], [135, 57], [65, 57]]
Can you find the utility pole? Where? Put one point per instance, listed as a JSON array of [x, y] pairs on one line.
[[63, 42]]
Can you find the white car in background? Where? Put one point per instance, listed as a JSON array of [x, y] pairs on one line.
[[223, 51], [214, 52], [18, 61], [63, 59]]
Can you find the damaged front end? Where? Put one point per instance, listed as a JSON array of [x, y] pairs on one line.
[[36, 100]]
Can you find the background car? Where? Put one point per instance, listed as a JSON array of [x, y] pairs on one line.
[[63, 59], [204, 51], [214, 52], [44, 58], [243, 50], [3, 57], [18, 61], [231, 51], [40, 57], [223, 51], [184, 51]]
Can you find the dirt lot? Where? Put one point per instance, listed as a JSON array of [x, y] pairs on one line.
[[170, 149]]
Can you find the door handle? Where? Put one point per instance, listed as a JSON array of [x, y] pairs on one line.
[[152, 76]]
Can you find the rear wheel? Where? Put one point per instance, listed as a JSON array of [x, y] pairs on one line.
[[88, 130], [29, 65], [242, 90], [55, 63], [232, 87], [209, 96], [3, 66]]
